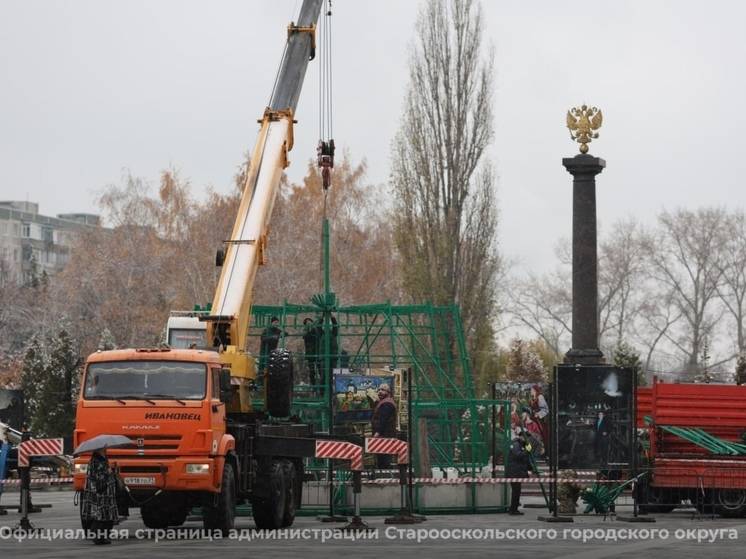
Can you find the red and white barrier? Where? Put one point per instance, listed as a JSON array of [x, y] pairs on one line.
[[39, 481], [386, 481], [381, 445], [488, 480], [38, 447], [341, 450]]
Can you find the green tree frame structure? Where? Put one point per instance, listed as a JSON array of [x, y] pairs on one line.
[[424, 339]]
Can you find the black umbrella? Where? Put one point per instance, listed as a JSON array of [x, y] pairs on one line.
[[101, 442]]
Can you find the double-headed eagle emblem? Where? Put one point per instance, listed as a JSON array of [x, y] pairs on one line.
[[582, 121]]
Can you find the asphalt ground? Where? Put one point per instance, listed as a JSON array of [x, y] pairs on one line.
[[681, 535]]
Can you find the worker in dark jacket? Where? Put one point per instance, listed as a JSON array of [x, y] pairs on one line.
[[384, 421], [518, 466], [311, 338], [333, 342], [270, 340]]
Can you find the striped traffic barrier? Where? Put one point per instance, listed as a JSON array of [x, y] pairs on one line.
[[487, 480], [39, 481], [382, 481], [341, 450], [383, 445], [38, 447]]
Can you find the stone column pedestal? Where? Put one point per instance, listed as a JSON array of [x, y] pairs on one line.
[[584, 351]]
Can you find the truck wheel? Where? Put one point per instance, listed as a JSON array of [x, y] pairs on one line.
[[269, 512], [658, 502], [292, 492], [730, 503], [654, 500], [177, 518], [222, 516], [153, 517], [279, 392]]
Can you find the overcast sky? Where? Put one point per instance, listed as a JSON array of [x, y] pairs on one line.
[[90, 88]]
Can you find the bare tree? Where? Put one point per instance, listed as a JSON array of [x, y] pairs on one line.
[[733, 269], [686, 258], [24, 309], [444, 190], [543, 305], [621, 280], [159, 255], [658, 313], [128, 277], [659, 290]]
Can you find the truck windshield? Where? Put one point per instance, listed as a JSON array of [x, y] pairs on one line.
[[154, 380], [185, 338]]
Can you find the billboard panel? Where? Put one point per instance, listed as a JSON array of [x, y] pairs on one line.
[[594, 416]]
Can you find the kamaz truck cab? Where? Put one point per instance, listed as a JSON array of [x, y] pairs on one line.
[[187, 449]]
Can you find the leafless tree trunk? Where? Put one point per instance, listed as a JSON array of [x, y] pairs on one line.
[[657, 315], [733, 270], [686, 258], [445, 209], [544, 307], [621, 277]]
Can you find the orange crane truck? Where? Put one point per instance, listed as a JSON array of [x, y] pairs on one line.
[[197, 440]]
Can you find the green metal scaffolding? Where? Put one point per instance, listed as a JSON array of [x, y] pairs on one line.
[[424, 339]]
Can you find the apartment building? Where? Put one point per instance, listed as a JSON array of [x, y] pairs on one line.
[[31, 243]]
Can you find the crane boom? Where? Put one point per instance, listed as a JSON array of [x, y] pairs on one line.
[[228, 323], [300, 50]]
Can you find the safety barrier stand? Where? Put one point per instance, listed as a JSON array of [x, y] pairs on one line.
[[27, 449], [357, 522], [343, 450], [326, 449], [635, 504], [400, 449]]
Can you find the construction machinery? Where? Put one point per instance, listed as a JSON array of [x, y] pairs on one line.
[[187, 408]]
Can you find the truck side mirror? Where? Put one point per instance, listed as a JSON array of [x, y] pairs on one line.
[[226, 393]]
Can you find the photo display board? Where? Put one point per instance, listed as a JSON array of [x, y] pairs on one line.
[[594, 416], [356, 395]]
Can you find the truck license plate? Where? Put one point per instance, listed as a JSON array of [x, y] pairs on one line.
[[139, 480]]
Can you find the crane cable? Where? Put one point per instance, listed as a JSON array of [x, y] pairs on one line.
[[325, 74], [325, 148]]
